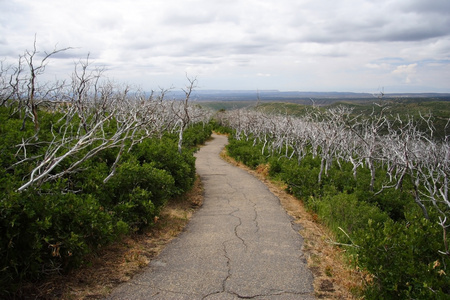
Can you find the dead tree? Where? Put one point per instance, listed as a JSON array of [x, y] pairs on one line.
[[33, 87], [183, 111]]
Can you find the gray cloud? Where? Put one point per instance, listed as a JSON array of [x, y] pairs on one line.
[[441, 7], [377, 25]]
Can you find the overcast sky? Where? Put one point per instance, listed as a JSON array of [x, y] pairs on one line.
[[302, 45]]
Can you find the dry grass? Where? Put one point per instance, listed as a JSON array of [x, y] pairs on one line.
[[120, 261], [333, 278]]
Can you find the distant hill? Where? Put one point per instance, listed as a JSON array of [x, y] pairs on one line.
[[319, 98]]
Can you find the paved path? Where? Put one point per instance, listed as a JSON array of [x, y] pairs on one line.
[[240, 244]]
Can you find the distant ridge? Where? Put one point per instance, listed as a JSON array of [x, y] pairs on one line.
[[296, 96]]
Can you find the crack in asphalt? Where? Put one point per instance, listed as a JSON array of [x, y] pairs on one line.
[[258, 295], [236, 209], [255, 217], [236, 230], [225, 254], [224, 282], [223, 290]]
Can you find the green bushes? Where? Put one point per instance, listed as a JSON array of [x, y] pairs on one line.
[[386, 230], [245, 152], [301, 180], [50, 228], [220, 128], [404, 260], [347, 216], [197, 134], [49, 233], [163, 154], [137, 192]]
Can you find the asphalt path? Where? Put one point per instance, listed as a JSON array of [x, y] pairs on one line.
[[240, 244]]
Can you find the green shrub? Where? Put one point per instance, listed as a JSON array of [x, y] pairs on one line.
[[341, 178], [275, 167], [404, 259], [301, 180], [394, 202], [244, 151], [164, 155], [140, 181], [137, 209], [43, 233], [217, 127], [345, 211], [197, 134]]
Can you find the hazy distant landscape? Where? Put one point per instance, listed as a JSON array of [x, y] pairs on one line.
[[303, 97], [235, 99]]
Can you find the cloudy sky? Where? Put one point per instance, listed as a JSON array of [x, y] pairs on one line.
[[302, 45]]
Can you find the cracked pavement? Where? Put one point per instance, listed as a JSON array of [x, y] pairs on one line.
[[239, 245]]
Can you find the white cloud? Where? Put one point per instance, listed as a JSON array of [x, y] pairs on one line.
[[382, 66], [406, 71]]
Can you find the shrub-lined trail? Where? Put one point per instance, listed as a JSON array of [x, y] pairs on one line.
[[240, 244]]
